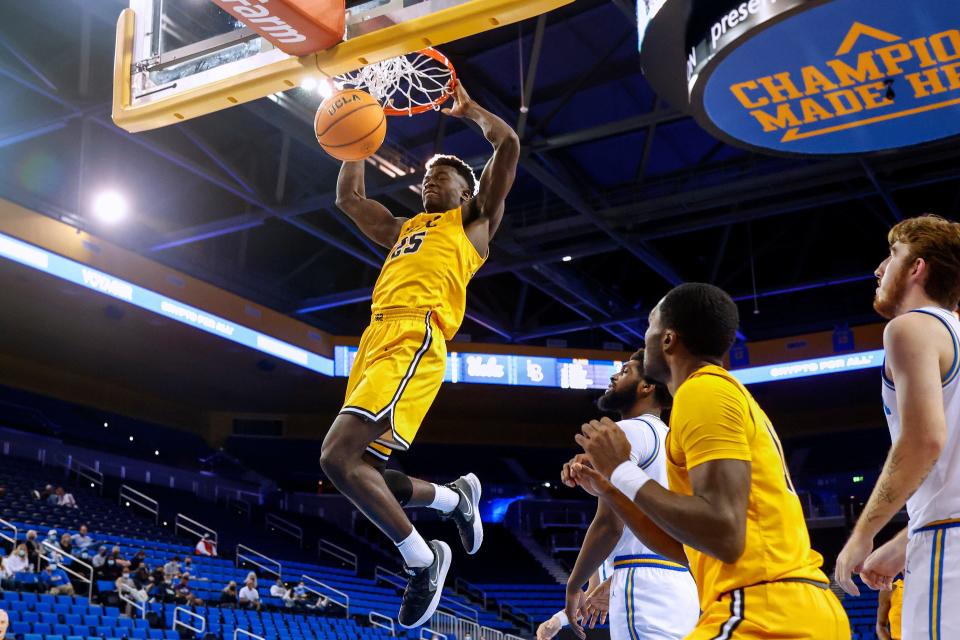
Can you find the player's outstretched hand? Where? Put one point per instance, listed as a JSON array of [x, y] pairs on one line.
[[572, 608], [566, 476], [548, 629], [597, 605], [851, 560], [605, 443], [883, 565], [462, 102]]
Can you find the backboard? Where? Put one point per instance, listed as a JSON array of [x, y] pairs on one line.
[[179, 59]]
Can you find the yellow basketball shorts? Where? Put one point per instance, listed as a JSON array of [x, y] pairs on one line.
[[396, 375], [782, 610]]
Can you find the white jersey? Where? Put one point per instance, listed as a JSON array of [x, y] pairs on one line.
[[938, 498], [647, 435]]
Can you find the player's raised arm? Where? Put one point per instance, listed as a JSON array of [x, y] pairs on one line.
[[373, 219], [501, 169]]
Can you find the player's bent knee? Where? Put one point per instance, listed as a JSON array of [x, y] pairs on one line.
[[400, 486]]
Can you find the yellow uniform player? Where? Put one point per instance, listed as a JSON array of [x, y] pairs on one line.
[[730, 512], [419, 302], [416, 307]]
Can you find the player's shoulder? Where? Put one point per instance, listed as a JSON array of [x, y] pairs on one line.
[[913, 328], [711, 380], [645, 421]]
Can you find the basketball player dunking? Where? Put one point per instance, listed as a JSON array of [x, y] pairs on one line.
[[731, 512], [419, 301], [918, 290]]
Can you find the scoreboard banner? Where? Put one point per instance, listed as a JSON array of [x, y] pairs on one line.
[[810, 77]]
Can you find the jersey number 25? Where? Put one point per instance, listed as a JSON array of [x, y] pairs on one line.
[[409, 244]]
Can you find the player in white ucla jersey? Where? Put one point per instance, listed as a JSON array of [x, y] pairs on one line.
[[919, 290], [651, 597]]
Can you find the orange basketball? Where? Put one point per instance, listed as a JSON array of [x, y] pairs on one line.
[[350, 125]]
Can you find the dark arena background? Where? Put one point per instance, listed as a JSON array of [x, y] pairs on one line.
[[180, 307]]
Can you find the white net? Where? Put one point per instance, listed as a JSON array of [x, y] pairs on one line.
[[408, 84]]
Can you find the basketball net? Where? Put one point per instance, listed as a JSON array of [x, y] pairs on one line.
[[406, 85]]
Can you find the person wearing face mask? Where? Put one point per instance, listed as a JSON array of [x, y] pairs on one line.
[[99, 561], [127, 586], [33, 547], [114, 565], [18, 561]]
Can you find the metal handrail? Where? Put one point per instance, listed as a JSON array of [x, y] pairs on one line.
[[200, 528], [83, 470], [247, 558], [56, 552], [345, 603], [284, 526], [453, 605], [488, 633], [462, 586], [506, 607], [381, 574], [5, 536], [430, 634], [178, 622], [374, 618], [237, 632], [133, 603], [142, 500], [344, 555]]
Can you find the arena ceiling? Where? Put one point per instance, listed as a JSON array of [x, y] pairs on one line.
[[619, 196]]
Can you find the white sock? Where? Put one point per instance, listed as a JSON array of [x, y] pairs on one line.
[[415, 551], [445, 499]]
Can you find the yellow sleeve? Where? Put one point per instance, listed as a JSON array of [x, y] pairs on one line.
[[710, 421]]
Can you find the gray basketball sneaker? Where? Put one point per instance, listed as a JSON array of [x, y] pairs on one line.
[[466, 515], [425, 587]]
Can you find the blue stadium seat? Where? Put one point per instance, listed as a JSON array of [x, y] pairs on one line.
[[61, 629], [19, 628], [42, 628], [32, 636]]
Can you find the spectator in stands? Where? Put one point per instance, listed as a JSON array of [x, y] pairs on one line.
[[114, 565], [206, 547], [184, 595], [277, 589], [82, 542], [141, 577], [51, 538], [55, 581], [228, 597], [171, 570], [18, 561], [6, 576], [4, 623], [100, 560], [289, 599], [126, 585], [33, 547], [300, 593], [189, 568], [249, 596], [43, 496], [139, 560], [251, 576], [161, 590], [66, 545], [65, 499]]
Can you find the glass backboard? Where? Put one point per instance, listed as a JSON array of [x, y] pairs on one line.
[[179, 59]]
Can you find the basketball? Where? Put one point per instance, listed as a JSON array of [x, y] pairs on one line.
[[350, 125]]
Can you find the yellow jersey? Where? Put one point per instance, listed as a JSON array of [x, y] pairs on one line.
[[895, 615], [714, 417], [429, 268]]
